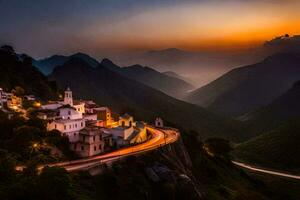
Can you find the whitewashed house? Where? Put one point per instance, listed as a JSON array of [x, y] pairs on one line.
[[89, 143], [68, 127]]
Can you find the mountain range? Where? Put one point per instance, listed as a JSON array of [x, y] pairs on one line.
[[122, 94], [170, 85], [283, 109], [248, 88]]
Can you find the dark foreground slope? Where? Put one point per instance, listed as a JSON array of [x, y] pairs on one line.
[[275, 149], [284, 108], [18, 71], [247, 88], [126, 95]]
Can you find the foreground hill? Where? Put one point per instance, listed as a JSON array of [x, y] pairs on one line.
[[172, 86], [17, 70], [275, 149], [247, 88], [284, 108], [125, 95]]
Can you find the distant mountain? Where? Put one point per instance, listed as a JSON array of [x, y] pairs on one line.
[[247, 88], [47, 65], [201, 67], [126, 95], [175, 75], [275, 149], [283, 109], [170, 85], [17, 70]]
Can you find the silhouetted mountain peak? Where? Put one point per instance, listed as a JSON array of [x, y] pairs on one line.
[[74, 63]]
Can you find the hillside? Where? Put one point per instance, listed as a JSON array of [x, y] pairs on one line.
[[170, 85], [284, 108], [18, 71], [145, 103], [247, 88], [275, 149]]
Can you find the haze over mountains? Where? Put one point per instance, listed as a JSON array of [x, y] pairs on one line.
[[247, 88], [110, 88], [168, 84], [205, 66]]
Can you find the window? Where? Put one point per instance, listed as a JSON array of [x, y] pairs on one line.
[[81, 124], [69, 112], [94, 138], [130, 123], [70, 126], [82, 148], [75, 125], [65, 127], [99, 146], [75, 146], [123, 123], [95, 148], [55, 126], [83, 138]]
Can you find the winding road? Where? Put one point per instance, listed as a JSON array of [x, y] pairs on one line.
[[160, 137], [265, 171]]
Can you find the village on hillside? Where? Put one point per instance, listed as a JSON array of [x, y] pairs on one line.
[[91, 129]]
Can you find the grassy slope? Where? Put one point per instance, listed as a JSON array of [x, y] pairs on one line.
[[275, 149]]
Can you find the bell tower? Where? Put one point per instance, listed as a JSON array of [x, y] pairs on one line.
[[68, 99]]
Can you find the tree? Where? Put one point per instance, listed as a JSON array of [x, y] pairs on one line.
[[54, 183], [18, 91], [217, 147]]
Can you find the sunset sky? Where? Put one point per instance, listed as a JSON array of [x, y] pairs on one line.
[[100, 27]]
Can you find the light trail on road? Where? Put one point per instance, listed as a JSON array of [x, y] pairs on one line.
[[160, 137], [271, 172]]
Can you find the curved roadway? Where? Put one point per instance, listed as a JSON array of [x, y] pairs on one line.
[[160, 137], [265, 171]]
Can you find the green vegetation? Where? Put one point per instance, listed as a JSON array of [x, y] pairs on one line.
[[28, 140], [275, 149]]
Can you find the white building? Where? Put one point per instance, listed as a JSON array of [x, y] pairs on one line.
[[121, 132], [79, 106], [89, 143], [68, 112], [68, 98], [68, 127], [159, 122]]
